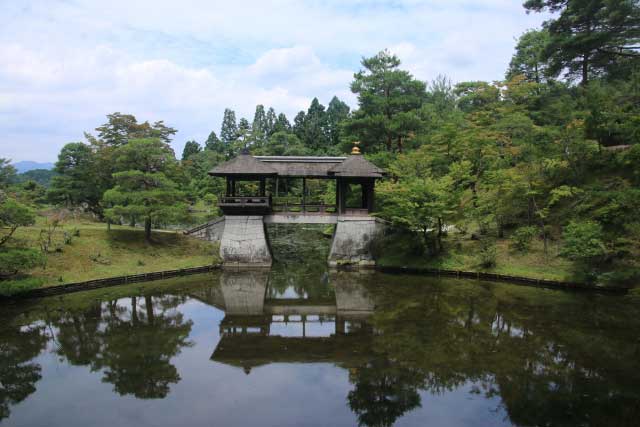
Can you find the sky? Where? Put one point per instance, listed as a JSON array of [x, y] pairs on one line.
[[66, 64]]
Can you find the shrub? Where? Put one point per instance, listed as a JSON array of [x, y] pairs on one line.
[[583, 241], [522, 238], [488, 253], [13, 261], [13, 287]]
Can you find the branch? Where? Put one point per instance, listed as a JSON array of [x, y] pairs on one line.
[[620, 53]]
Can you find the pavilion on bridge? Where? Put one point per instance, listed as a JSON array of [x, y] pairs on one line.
[[279, 171]]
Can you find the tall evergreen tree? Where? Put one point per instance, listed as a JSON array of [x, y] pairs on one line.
[[388, 99], [337, 111], [75, 182], [190, 148], [282, 124], [229, 130], [244, 133], [528, 58], [298, 125], [213, 143], [589, 36], [259, 126], [120, 128], [315, 127], [270, 126], [145, 184]]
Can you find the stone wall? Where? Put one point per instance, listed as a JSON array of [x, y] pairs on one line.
[[352, 241], [244, 242]]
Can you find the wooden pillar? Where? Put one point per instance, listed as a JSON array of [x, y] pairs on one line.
[[343, 196], [233, 187], [371, 196], [304, 193], [262, 187], [228, 193], [364, 193], [337, 195]]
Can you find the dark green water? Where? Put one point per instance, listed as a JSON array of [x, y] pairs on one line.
[[301, 346]]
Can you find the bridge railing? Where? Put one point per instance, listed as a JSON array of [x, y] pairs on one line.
[[252, 200], [287, 204]]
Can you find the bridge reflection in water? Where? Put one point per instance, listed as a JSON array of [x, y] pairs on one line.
[[262, 327]]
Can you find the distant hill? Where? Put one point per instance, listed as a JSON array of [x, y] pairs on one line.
[[27, 165]]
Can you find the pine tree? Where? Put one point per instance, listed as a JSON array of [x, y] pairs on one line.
[[282, 124], [259, 126], [229, 130], [298, 125], [271, 119], [213, 143], [388, 100], [528, 58], [337, 111], [589, 36], [190, 148], [315, 127]]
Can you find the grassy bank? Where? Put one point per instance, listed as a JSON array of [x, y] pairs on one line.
[[94, 252], [462, 253]]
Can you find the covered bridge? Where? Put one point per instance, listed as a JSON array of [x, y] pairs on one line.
[[259, 191], [277, 172]]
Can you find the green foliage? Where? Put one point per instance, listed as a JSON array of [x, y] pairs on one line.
[[75, 182], [190, 148], [14, 260], [229, 130], [523, 236], [13, 215], [584, 241], [15, 287], [7, 173], [528, 58], [42, 177], [388, 101], [589, 37], [488, 254], [121, 128], [145, 185]]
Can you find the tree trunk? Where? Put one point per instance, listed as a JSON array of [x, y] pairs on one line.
[[147, 229], [439, 235], [585, 70]]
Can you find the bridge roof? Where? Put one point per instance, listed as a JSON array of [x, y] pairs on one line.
[[354, 166]]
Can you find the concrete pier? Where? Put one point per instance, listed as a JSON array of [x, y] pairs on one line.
[[244, 242], [352, 241]]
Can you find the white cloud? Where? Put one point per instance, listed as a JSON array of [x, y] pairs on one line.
[[65, 65]]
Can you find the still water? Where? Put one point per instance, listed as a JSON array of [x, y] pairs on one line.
[[307, 347]]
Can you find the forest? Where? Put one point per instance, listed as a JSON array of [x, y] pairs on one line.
[[545, 161]]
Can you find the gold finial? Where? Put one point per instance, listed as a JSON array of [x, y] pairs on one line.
[[355, 149]]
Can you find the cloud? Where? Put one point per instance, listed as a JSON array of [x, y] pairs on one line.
[[65, 65]]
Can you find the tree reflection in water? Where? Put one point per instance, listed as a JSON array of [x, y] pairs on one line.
[[130, 340], [18, 374], [534, 357]]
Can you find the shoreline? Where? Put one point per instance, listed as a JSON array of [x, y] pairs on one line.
[[69, 288]]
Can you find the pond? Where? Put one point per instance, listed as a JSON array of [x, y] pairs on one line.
[[301, 346]]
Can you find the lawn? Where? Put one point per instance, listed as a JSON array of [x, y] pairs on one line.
[[98, 253], [461, 253]]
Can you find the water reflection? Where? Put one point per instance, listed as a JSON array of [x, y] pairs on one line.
[[510, 355]]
